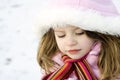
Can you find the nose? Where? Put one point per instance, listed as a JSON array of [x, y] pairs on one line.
[[71, 41]]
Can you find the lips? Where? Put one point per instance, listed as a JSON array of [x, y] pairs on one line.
[[74, 51]]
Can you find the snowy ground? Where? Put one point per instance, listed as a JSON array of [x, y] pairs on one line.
[[18, 43]]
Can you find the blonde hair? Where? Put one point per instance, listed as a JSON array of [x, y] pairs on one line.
[[108, 60], [46, 50], [109, 57]]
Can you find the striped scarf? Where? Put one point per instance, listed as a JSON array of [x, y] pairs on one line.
[[80, 67]]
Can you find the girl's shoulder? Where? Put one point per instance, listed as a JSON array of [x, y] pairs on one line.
[[92, 59], [57, 58]]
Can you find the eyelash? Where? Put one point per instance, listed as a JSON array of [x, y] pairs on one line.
[[61, 36], [79, 33], [75, 33]]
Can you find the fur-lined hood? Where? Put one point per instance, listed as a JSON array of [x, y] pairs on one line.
[[87, 18]]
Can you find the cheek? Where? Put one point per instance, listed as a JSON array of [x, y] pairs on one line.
[[60, 44], [61, 48], [87, 43]]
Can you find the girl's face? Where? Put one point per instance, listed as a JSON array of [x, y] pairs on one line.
[[73, 41]]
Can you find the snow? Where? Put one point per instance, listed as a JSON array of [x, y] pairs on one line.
[[18, 42]]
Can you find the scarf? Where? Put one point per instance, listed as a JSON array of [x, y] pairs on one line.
[[80, 67]]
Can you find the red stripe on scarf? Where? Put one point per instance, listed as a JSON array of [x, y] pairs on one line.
[[62, 72]]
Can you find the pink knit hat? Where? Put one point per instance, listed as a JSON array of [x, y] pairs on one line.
[[104, 7], [93, 15]]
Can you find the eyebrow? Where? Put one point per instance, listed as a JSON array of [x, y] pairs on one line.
[[77, 28], [58, 30]]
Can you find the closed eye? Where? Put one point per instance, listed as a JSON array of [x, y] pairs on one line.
[[79, 33], [61, 36]]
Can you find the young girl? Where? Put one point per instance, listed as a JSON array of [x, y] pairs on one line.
[[80, 40]]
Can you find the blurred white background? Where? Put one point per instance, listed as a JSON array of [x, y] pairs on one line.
[[18, 42]]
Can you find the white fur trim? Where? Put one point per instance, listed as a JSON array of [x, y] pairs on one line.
[[85, 19]]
